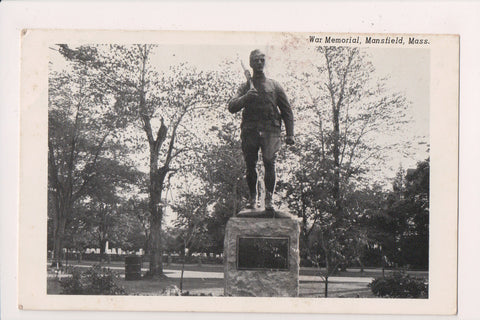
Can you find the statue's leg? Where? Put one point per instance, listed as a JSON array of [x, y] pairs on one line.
[[270, 147], [251, 163], [250, 147]]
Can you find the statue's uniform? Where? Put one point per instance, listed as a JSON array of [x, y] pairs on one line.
[[261, 126]]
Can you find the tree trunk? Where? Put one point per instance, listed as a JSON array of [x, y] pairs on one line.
[[183, 268], [66, 259], [304, 233], [362, 267], [327, 273], [103, 243], [336, 156], [157, 178], [326, 287], [156, 263], [57, 251], [58, 235]]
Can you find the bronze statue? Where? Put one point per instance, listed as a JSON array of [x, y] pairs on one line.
[[264, 105]]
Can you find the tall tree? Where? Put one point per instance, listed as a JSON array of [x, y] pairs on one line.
[[402, 230], [192, 211], [160, 103], [104, 204], [348, 116], [81, 127]]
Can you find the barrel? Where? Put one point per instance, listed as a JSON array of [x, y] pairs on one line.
[[133, 268]]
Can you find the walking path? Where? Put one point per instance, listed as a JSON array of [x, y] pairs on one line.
[[176, 274]]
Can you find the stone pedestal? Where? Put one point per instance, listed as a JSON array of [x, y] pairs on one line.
[[262, 255]]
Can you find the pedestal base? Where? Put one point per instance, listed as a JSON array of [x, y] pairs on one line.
[[262, 256]]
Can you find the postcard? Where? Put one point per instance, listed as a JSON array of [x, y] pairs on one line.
[[238, 172]]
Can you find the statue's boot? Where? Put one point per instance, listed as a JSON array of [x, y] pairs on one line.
[[268, 201], [252, 201]]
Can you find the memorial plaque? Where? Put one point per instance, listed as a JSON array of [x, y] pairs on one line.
[[262, 257], [257, 253]]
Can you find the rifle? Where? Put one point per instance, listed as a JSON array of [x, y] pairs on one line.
[[247, 75]]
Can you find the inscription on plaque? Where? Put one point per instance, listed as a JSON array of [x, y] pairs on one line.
[[255, 253]]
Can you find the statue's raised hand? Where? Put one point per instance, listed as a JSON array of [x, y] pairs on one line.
[[251, 94]]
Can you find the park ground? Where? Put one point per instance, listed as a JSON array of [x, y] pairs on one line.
[[208, 279]]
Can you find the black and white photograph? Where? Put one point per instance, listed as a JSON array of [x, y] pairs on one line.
[[231, 165]]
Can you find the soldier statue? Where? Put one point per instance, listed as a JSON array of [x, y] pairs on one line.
[[264, 105]]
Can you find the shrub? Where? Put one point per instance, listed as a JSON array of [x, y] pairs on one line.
[[73, 284], [95, 281], [399, 285]]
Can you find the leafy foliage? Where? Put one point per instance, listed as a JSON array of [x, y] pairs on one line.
[[154, 104], [399, 285], [95, 281], [343, 108], [73, 284], [80, 138], [402, 229]]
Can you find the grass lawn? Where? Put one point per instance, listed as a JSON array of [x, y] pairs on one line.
[[310, 271], [341, 286], [155, 287], [215, 287]]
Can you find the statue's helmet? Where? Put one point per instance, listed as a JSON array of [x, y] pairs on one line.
[[255, 54]]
